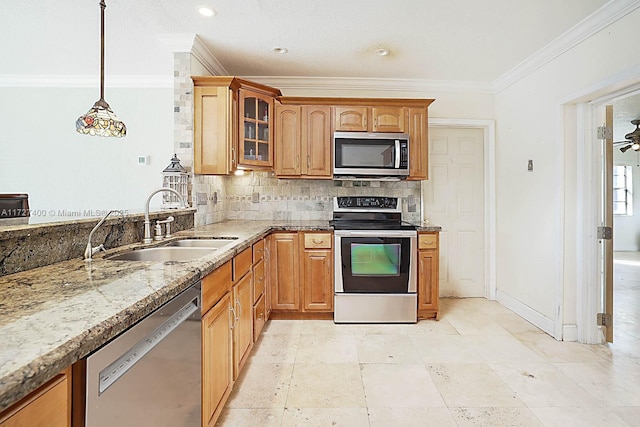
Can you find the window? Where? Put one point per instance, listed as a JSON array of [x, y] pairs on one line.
[[622, 191]]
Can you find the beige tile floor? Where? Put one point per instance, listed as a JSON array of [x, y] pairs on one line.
[[480, 365]]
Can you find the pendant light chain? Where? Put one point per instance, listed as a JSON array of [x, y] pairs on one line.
[[101, 120]]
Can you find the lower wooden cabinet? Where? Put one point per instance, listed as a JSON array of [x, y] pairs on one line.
[[242, 308], [285, 272], [317, 272], [48, 406], [267, 276], [217, 366], [302, 273], [428, 275]]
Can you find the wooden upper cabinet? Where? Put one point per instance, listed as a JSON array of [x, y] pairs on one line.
[[288, 143], [388, 119], [232, 125], [370, 119], [391, 115], [351, 119], [418, 143], [303, 141], [214, 129], [316, 141], [256, 129]]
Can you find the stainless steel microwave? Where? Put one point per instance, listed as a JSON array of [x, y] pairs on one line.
[[361, 154]]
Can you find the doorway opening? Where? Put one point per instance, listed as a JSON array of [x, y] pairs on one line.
[[595, 257]]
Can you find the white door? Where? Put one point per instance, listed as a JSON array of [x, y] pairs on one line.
[[454, 199]]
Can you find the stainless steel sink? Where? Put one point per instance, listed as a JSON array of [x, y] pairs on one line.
[[163, 253], [202, 243]]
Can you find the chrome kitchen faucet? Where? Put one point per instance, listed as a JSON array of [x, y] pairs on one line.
[[147, 223], [90, 251]]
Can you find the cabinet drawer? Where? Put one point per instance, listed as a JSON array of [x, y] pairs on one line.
[[258, 251], [242, 263], [317, 240], [427, 241], [49, 406], [259, 317], [215, 285], [258, 280]]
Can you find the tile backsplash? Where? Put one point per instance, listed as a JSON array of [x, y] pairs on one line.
[[262, 196]]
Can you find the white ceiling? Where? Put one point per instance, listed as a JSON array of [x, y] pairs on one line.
[[455, 41], [450, 40]]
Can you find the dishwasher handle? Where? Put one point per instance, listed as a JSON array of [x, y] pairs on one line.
[[112, 373]]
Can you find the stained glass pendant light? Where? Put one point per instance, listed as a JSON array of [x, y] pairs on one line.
[[101, 120]]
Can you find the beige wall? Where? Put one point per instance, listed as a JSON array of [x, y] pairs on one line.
[[535, 242], [63, 171]]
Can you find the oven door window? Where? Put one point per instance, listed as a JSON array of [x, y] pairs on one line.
[[375, 264], [375, 259]]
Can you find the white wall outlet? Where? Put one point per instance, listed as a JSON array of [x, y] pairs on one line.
[[144, 160]]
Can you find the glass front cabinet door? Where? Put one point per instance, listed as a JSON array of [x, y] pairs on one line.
[[255, 142]]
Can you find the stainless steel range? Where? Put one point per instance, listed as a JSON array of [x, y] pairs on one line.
[[375, 269]]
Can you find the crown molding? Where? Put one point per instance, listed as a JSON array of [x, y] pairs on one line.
[[82, 81], [207, 59], [192, 43], [373, 84], [600, 19]]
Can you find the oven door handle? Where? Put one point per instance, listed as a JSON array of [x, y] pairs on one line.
[[398, 155], [375, 233]]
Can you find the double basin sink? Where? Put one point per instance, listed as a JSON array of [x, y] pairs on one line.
[[177, 250]]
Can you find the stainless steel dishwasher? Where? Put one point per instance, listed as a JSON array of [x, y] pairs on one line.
[[151, 374]]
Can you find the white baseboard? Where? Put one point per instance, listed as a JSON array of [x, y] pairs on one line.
[[569, 332], [526, 312]]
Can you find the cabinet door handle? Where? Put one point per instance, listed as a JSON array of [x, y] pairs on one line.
[[365, 121], [239, 309], [316, 241], [234, 318]]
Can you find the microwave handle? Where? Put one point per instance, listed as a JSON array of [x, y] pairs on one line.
[[398, 155]]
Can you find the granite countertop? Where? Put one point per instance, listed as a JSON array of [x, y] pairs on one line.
[[53, 316]]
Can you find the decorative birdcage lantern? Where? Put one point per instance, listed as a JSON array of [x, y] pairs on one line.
[[175, 177]]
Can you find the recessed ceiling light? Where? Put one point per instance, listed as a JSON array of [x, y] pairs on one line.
[[382, 52], [205, 11], [282, 50]]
